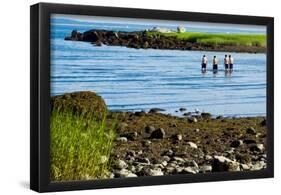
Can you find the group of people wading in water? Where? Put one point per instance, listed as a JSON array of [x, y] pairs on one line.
[[228, 63]]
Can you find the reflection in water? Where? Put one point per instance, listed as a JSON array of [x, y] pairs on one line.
[[227, 73]]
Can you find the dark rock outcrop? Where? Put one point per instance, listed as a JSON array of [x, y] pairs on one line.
[[140, 39], [86, 102]]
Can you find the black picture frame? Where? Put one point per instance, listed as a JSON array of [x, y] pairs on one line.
[[40, 95]]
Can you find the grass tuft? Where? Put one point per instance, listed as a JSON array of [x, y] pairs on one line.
[[80, 146]]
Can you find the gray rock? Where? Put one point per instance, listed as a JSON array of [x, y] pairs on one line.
[[164, 163], [158, 134], [192, 145], [187, 114], [124, 173], [206, 115], [196, 130], [244, 167], [205, 168], [156, 166], [208, 157], [189, 170], [170, 170], [155, 110], [220, 163], [140, 113], [258, 166], [251, 131], [132, 168], [146, 143], [121, 139], [192, 120], [111, 175], [169, 153], [178, 159], [257, 147], [179, 137], [149, 129], [234, 166], [166, 158], [154, 172], [182, 109], [120, 164]]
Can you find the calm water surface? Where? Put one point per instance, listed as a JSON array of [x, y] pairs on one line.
[[140, 79]]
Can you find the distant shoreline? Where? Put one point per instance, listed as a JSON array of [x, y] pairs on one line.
[[173, 40]]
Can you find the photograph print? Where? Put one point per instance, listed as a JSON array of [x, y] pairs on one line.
[[140, 97]]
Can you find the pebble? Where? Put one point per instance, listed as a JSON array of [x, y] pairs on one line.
[[251, 131], [244, 166], [178, 159], [178, 137], [257, 147], [196, 130], [155, 110], [258, 166], [192, 145], [205, 168], [166, 158], [124, 173], [120, 164], [122, 139], [164, 163], [146, 143], [154, 172], [192, 120], [169, 152], [189, 170]]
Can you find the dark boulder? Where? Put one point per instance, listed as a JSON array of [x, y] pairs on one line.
[[155, 110], [158, 134], [85, 102]]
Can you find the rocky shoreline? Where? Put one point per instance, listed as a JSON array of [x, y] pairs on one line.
[[154, 144], [140, 39]]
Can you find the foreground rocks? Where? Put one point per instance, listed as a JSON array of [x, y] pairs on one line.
[[168, 145], [140, 39]]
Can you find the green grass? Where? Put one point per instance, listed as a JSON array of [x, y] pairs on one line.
[[79, 144], [217, 39]]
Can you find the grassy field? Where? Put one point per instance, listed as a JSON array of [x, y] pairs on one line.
[[80, 147], [217, 39]]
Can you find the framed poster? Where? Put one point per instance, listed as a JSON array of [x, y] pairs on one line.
[[132, 97]]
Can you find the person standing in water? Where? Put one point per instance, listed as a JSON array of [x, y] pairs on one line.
[[204, 63], [215, 63], [231, 61], [226, 62]]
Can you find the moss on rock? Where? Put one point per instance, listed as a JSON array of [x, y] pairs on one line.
[[85, 102]]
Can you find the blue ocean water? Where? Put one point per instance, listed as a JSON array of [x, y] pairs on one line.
[[141, 79]]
